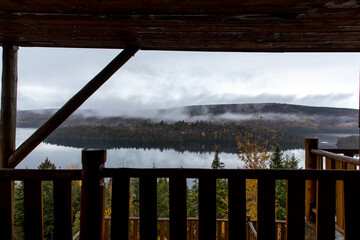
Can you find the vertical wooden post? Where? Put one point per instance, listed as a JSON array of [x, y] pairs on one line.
[[8, 135], [63, 217], [207, 208], [33, 210], [177, 201], [310, 163], [92, 194]]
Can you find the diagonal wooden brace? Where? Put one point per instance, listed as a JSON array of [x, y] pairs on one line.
[[74, 103]]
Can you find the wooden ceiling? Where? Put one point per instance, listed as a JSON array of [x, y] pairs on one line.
[[200, 25]]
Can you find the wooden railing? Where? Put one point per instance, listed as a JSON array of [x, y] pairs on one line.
[[320, 201], [331, 159], [93, 172], [222, 229], [33, 200]]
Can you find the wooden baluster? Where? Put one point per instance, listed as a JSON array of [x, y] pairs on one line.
[[283, 231], [168, 230], [130, 222], [325, 220], [33, 210], [107, 229], [162, 232], [352, 209], [237, 209], [190, 233], [148, 208], [218, 222], [207, 208], [266, 209], [197, 230], [120, 207], [226, 230], [63, 217], [92, 195], [310, 163], [178, 212], [295, 209], [136, 229]]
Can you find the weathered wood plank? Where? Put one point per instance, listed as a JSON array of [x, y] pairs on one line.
[[63, 214], [33, 210], [237, 208], [178, 214], [207, 208], [148, 208], [266, 209], [325, 210], [74, 103], [295, 210], [120, 207]]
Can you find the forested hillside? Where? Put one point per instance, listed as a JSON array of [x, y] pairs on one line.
[[181, 135], [286, 117], [348, 142]]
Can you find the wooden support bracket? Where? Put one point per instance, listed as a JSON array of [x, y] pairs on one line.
[[74, 103]]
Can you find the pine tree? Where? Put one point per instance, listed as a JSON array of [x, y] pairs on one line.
[[277, 160], [48, 201], [217, 164]]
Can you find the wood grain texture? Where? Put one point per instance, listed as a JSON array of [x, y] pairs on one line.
[[226, 25]]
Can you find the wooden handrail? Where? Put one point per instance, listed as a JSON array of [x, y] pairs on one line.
[[191, 230], [335, 156], [252, 228]]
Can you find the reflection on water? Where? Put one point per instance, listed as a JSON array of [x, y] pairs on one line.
[[63, 156]]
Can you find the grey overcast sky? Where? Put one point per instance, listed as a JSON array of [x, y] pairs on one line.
[[152, 80]]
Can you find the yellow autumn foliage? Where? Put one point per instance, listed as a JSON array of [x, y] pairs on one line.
[[254, 153]]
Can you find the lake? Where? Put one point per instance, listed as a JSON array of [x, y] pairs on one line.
[[63, 156]]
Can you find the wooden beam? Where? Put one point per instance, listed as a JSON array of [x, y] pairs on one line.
[[8, 103], [8, 135], [74, 103]]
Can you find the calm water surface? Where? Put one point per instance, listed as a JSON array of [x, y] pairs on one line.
[[63, 157]]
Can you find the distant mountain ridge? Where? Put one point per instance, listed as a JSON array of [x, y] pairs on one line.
[[262, 108], [289, 117]]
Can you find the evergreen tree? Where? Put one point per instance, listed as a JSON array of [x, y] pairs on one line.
[[217, 164], [19, 211], [277, 160], [48, 201], [291, 162], [192, 199], [221, 188]]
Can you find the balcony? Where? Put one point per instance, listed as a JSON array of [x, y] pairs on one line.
[[324, 195]]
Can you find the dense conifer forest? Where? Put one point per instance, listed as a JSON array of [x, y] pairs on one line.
[[181, 135]]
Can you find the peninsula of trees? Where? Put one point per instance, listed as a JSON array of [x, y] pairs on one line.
[[181, 136]]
